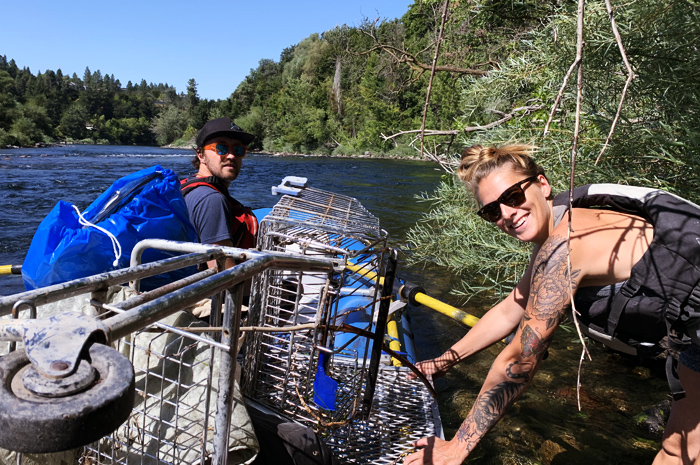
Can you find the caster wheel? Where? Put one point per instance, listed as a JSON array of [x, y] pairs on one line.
[[39, 415]]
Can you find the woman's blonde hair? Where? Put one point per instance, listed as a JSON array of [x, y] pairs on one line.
[[478, 162]]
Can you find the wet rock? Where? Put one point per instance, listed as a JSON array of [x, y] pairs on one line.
[[642, 372], [588, 400], [653, 420], [549, 450]]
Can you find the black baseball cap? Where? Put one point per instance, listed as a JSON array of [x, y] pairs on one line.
[[222, 127]]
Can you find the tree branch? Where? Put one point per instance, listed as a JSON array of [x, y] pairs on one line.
[[630, 76], [574, 148], [507, 117], [401, 55], [432, 75]]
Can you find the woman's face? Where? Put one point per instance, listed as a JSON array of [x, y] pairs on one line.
[[528, 221]]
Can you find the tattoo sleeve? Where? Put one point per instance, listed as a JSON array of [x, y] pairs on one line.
[[487, 410], [548, 301], [549, 291]]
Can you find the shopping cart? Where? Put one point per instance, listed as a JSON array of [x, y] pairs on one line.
[[141, 378], [368, 411]]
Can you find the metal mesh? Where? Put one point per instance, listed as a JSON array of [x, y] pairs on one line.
[[326, 211], [169, 421], [172, 421], [280, 369], [402, 412]]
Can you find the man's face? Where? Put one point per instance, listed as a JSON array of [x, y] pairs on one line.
[[225, 167]]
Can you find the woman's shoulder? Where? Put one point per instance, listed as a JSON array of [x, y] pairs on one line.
[[586, 222], [605, 244]]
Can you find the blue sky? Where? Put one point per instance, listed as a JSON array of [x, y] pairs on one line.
[[214, 42]]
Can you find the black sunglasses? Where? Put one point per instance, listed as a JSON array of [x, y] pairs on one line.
[[511, 197]]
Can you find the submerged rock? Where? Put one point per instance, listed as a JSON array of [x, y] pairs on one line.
[[653, 420]]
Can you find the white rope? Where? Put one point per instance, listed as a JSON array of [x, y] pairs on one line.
[[116, 246]]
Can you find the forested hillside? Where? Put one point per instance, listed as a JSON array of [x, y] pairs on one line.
[[339, 91], [50, 106]]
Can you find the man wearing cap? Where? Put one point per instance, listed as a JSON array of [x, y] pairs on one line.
[[219, 218]]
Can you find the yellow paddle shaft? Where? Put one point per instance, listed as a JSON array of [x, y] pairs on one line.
[[446, 309], [10, 269], [392, 330], [421, 298], [364, 272]]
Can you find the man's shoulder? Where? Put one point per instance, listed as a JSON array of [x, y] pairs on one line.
[[204, 196]]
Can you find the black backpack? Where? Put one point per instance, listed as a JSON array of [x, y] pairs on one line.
[[658, 307]]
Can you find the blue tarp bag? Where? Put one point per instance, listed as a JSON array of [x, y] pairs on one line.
[[147, 204]]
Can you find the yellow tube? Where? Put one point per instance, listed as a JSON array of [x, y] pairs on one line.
[[5, 269], [392, 331], [446, 309], [364, 272]]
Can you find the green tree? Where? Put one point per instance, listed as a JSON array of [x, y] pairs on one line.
[[74, 121], [8, 102], [169, 125], [655, 144]]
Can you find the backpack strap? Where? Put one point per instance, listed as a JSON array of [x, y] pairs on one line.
[[675, 315], [620, 300], [674, 382]]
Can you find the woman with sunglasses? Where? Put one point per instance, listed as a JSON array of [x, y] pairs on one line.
[[219, 218], [516, 196]]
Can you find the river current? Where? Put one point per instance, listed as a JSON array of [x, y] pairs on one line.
[[545, 425]]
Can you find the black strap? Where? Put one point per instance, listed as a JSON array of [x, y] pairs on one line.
[[627, 291], [674, 382], [693, 304], [676, 342]]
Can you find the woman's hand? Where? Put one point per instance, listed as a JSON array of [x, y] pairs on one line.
[[436, 451], [435, 368]]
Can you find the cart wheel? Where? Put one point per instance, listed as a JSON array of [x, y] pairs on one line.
[[39, 424]]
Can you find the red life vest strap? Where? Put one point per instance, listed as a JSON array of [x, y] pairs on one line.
[[244, 222]]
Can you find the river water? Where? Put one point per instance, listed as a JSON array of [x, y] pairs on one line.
[[544, 427]]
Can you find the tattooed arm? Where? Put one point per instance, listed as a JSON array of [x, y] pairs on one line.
[[499, 322], [515, 366]]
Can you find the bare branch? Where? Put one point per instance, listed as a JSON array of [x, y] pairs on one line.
[[574, 148], [432, 75], [452, 132], [401, 55], [630, 76], [560, 95]]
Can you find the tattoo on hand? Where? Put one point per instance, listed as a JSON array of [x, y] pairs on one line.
[[549, 293]]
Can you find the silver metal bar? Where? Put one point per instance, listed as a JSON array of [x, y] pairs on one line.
[[283, 260], [75, 287], [227, 368], [164, 327], [150, 312], [163, 290], [205, 425]]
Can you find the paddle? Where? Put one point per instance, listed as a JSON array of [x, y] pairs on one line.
[[10, 269]]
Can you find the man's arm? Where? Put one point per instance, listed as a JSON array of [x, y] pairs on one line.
[[516, 365], [230, 262]]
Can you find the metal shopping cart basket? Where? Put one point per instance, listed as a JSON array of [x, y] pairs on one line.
[[333, 376], [312, 351]]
